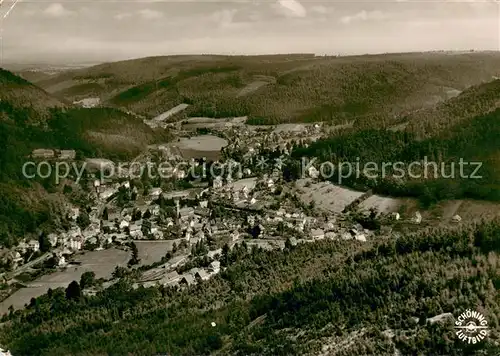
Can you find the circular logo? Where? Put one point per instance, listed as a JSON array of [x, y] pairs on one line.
[[471, 326]]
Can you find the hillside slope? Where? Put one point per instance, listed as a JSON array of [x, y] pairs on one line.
[[330, 297], [280, 88], [21, 93], [27, 205]]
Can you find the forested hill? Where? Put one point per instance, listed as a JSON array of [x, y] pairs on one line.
[[20, 93], [28, 122], [339, 297], [275, 89], [473, 139], [474, 101]]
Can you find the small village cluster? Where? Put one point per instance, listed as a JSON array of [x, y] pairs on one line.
[[256, 205]]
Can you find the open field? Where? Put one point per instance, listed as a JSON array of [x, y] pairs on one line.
[[194, 123], [326, 195], [247, 182], [383, 205], [153, 251], [101, 262], [208, 146]]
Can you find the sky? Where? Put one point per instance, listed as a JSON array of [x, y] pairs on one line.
[[72, 31]]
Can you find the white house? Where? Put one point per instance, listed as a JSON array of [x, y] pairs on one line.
[[67, 154], [155, 193], [361, 237], [74, 213], [22, 247], [155, 210], [235, 235], [52, 239], [107, 193], [75, 243], [313, 172], [34, 245], [124, 224], [204, 204], [217, 182], [317, 234], [214, 267]]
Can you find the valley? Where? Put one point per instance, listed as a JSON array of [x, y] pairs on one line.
[[201, 198]]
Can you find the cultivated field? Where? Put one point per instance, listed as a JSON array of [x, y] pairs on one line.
[[153, 251], [101, 262], [207, 146], [326, 195], [383, 205]]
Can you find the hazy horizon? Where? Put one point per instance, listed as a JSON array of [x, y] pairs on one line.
[[71, 31]]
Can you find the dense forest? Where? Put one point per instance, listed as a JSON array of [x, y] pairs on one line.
[[287, 302], [298, 88], [27, 205], [473, 140]]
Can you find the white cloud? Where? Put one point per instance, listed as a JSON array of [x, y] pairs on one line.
[[292, 8], [57, 10], [320, 9], [122, 16], [364, 16], [223, 18], [150, 14]]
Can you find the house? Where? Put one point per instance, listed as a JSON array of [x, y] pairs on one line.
[[15, 257], [59, 259], [22, 247], [331, 235], [75, 231], [34, 245], [155, 193], [179, 173], [280, 212], [187, 279], [43, 153], [361, 237], [214, 267], [204, 204], [214, 253], [107, 193], [202, 275], [124, 224], [52, 239], [170, 278], [91, 231], [75, 243], [417, 219], [186, 213], [235, 235], [317, 234], [346, 236], [155, 210], [313, 172], [136, 234], [108, 225], [135, 229], [74, 213], [217, 182], [67, 154]]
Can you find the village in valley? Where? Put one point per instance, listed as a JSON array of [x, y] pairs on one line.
[[226, 184]]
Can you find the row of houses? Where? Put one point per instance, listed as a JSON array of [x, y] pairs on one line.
[[42, 153]]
